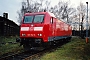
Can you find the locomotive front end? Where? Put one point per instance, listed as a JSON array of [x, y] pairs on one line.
[[31, 31]]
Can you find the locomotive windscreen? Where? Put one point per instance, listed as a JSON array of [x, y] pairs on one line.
[[33, 19]]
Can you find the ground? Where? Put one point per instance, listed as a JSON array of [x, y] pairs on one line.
[[77, 49], [8, 45]]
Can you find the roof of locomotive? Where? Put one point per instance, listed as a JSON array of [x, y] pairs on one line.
[[51, 14]]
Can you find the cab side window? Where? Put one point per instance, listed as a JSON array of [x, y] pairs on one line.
[[51, 21]]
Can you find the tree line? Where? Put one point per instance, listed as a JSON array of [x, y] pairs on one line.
[[69, 14]]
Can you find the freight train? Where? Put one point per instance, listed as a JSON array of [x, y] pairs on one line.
[[42, 29]]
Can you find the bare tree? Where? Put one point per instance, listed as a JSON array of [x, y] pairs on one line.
[[32, 6], [81, 10], [21, 12], [63, 11]]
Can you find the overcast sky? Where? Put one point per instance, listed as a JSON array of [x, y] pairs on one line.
[[12, 6]]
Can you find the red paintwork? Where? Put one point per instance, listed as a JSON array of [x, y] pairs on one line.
[[49, 30]]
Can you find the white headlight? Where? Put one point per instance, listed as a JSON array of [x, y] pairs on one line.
[[23, 34], [39, 34]]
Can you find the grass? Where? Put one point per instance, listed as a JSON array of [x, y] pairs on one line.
[[8, 47], [77, 49], [7, 39]]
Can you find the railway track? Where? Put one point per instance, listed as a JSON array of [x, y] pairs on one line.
[[41, 53], [29, 55], [18, 56]]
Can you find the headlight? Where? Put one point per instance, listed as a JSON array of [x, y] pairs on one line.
[[23, 34], [39, 34]]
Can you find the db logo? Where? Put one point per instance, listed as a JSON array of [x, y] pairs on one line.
[[31, 28], [32, 25]]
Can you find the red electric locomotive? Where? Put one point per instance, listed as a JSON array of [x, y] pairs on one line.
[[42, 28]]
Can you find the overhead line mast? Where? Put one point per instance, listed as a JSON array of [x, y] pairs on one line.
[[87, 24]]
